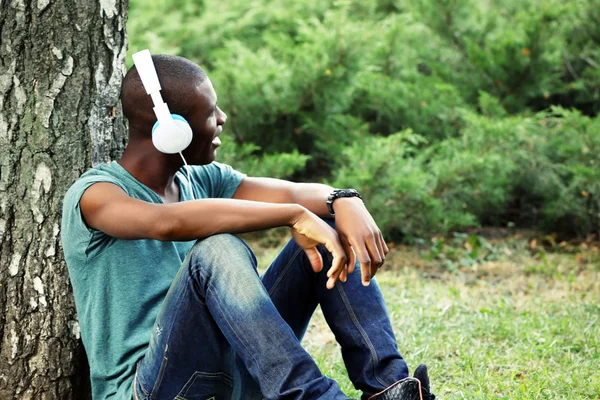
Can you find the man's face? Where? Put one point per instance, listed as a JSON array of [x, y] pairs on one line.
[[206, 120]]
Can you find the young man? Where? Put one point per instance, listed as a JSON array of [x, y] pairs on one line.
[[169, 301]]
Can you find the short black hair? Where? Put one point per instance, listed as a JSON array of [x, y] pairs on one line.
[[176, 75]]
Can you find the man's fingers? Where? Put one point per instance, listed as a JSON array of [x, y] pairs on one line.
[[365, 261], [374, 252], [339, 260], [383, 250], [385, 246], [316, 261], [344, 274], [338, 266], [350, 254]]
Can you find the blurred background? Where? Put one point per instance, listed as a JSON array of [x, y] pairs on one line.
[[445, 114], [470, 127]]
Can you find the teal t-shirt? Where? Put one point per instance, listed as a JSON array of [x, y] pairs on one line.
[[119, 285]]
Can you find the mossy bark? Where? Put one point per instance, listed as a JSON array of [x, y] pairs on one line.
[[61, 67]]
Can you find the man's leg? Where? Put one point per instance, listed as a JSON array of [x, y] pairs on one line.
[[356, 314], [215, 310]]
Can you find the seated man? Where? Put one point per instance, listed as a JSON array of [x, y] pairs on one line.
[[169, 300]]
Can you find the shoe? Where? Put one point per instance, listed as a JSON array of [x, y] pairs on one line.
[[405, 389], [423, 377], [416, 388]]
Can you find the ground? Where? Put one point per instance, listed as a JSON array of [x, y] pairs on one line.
[[516, 317]]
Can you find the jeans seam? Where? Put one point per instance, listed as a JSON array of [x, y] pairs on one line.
[[366, 339], [164, 360], [231, 327], [208, 290], [284, 271], [161, 373]]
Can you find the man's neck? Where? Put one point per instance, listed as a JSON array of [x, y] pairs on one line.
[[152, 168]]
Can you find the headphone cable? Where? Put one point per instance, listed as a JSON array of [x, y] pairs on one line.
[[187, 171]]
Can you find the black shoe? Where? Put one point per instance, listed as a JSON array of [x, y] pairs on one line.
[[416, 388], [423, 377], [406, 389]]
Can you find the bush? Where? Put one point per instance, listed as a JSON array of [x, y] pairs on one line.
[[396, 187], [333, 90], [537, 171], [246, 159]]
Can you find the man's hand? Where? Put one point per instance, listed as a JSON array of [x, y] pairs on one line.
[[357, 229], [309, 231], [355, 226]]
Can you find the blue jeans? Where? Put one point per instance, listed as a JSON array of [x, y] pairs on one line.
[[223, 332]]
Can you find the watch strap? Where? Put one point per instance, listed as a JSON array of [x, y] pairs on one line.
[[336, 194]]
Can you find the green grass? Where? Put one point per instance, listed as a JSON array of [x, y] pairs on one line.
[[523, 324]]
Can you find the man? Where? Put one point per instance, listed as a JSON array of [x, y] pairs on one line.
[[169, 301]]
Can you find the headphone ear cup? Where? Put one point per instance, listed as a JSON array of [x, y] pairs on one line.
[[171, 141], [186, 131]]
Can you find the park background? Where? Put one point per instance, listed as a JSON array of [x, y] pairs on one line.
[[470, 127]]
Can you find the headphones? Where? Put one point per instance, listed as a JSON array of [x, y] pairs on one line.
[[171, 133]]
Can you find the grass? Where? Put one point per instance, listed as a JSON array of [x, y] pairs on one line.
[[512, 320]]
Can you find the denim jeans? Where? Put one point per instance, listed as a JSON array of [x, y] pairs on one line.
[[223, 332]]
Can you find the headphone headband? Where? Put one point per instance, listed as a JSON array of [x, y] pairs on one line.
[[170, 135], [147, 72], [145, 68]]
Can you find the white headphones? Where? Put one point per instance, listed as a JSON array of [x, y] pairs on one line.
[[171, 133]]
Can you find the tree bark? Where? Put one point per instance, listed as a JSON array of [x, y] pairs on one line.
[[61, 67]]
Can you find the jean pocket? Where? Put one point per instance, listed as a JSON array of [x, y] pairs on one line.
[[207, 386]]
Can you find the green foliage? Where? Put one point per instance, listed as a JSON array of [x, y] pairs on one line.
[[462, 250], [540, 170], [163, 27], [245, 158], [399, 190], [483, 94]]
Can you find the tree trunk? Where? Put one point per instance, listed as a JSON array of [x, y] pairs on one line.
[[61, 67]]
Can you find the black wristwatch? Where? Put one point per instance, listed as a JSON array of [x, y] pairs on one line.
[[336, 194]]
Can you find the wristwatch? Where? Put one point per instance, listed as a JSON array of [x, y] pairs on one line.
[[336, 194]]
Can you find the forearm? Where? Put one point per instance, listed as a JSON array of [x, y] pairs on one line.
[[312, 196], [202, 218]]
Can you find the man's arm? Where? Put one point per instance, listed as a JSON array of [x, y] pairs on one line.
[[312, 196], [106, 207], [354, 223]]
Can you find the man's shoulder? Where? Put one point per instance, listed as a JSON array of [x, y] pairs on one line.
[[110, 170], [218, 180], [99, 173], [213, 167], [209, 174]]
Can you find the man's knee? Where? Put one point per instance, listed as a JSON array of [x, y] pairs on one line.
[[222, 251]]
